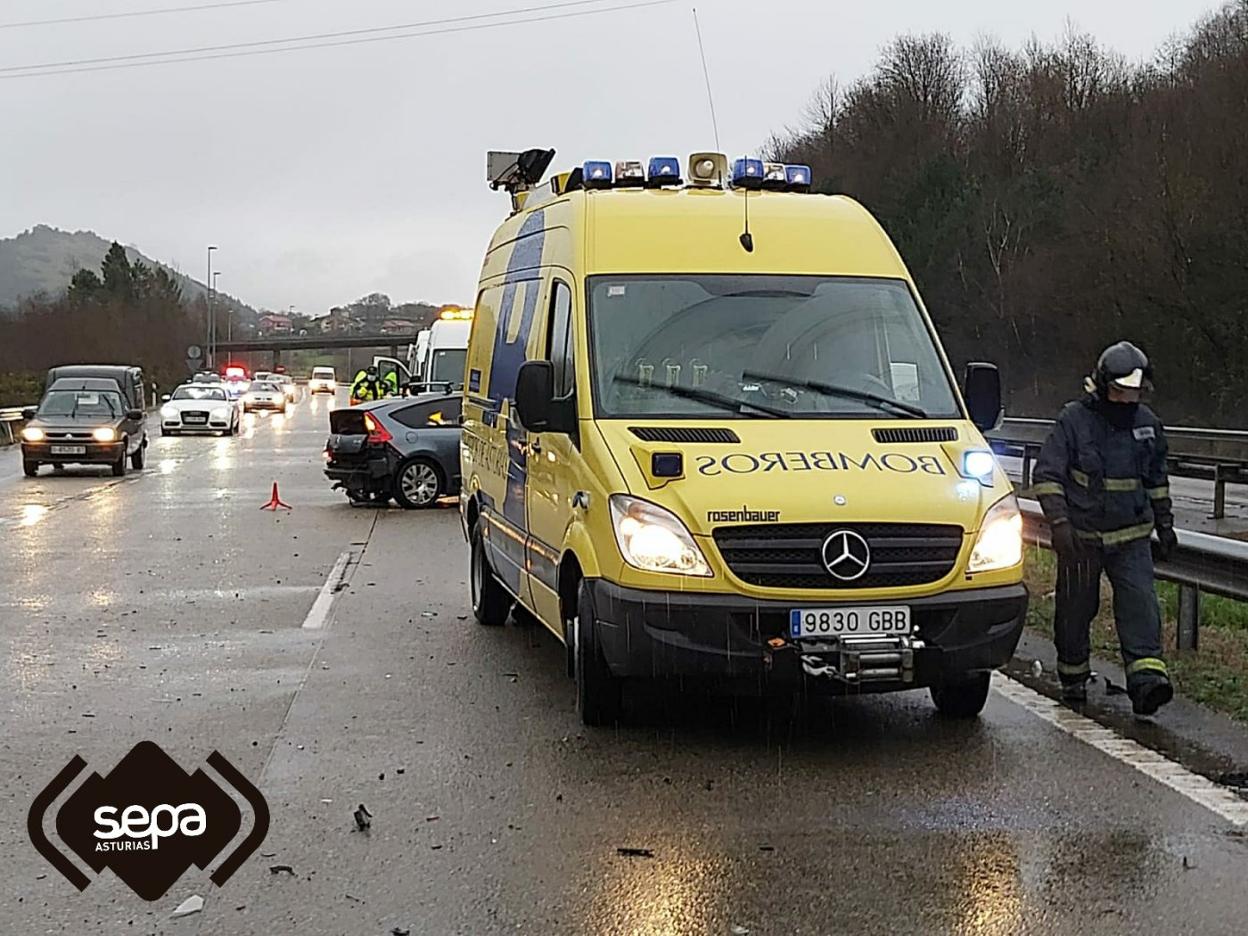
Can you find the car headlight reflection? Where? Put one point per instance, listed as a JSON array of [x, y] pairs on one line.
[[104, 434], [1000, 541], [653, 539], [32, 434]]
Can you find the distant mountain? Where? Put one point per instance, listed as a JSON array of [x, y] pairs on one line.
[[44, 259]]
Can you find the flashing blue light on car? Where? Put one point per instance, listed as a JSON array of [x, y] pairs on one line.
[[597, 174], [747, 173], [798, 178], [663, 170], [979, 465]]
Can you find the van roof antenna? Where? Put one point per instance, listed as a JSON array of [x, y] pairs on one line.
[[747, 239], [707, 76]]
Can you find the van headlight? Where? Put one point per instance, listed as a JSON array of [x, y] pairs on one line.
[[1000, 541], [653, 539], [104, 434]]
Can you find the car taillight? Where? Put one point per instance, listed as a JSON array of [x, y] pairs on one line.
[[376, 431]]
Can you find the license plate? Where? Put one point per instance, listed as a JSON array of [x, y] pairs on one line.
[[848, 622], [69, 450], [195, 419]]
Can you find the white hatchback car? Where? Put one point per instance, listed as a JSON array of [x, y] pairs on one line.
[[265, 396], [199, 408]]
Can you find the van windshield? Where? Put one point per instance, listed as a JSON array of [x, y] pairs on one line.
[[448, 365], [82, 404], [750, 346]]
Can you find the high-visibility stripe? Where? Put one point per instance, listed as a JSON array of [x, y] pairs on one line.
[[1122, 484], [1117, 537], [1074, 669], [1080, 478], [1159, 493], [1047, 487], [1152, 664]]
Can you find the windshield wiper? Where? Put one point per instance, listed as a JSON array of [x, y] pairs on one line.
[[847, 392], [732, 404]]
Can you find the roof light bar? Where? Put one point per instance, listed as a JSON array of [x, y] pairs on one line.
[[747, 173], [798, 178], [663, 170], [629, 173], [597, 174]]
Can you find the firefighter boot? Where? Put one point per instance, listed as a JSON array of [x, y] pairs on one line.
[[1149, 691]]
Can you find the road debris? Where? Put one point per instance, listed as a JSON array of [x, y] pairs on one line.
[[1112, 688], [628, 852], [363, 818], [281, 869], [1037, 669], [192, 904], [395, 931]]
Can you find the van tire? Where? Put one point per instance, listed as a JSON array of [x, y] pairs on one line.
[[599, 695], [119, 466], [491, 603], [30, 468], [962, 698]]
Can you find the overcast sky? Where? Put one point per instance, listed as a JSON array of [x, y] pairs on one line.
[[327, 174]]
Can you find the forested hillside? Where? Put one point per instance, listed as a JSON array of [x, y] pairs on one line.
[[1054, 198]]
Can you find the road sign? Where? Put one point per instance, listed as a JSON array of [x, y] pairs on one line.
[[194, 352]]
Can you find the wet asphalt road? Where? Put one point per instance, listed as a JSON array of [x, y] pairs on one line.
[[166, 606]]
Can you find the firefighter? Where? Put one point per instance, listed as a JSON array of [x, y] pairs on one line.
[[367, 386], [1101, 481]]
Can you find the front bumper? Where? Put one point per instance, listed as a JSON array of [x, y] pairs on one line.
[[252, 405], [97, 453], [725, 638], [213, 425]]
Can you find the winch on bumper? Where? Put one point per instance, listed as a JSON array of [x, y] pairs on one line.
[[745, 644]]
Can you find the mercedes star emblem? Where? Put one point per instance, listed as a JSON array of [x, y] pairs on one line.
[[846, 555]]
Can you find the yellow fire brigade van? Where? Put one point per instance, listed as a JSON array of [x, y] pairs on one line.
[[710, 434]]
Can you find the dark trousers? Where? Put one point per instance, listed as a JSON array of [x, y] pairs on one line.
[[1137, 614]]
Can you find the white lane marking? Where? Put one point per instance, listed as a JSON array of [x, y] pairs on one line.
[[318, 614], [1196, 788]]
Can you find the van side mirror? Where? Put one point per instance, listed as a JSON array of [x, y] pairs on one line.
[[135, 414], [982, 390], [535, 395], [29, 413]]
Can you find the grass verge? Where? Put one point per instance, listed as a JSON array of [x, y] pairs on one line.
[[1216, 675]]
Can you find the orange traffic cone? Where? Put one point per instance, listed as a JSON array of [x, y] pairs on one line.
[[275, 501]]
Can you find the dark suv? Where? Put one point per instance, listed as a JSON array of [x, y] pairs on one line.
[[84, 421]]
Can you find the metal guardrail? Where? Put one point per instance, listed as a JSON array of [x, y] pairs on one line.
[[8, 417], [1217, 455], [1201, 563]]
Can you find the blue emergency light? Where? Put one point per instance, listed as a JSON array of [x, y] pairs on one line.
[[747, 173], [798, 178], [663, 170], [596, 174]]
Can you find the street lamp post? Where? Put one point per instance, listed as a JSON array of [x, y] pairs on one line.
[[208, 351], [229, 319]]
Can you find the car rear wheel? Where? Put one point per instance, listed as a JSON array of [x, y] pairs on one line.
[[30, 468], [599, 695], [962, 698], [418, 484], [491, 603]]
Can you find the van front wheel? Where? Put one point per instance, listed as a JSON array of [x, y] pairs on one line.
[[490, 601], [599, 695], [962, 698]]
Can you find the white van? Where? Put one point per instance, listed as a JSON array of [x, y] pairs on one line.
[[323, 380]]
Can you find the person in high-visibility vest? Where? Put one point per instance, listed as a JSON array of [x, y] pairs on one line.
[[367, 386]]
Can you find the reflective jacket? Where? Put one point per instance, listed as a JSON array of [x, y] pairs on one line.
[[1109, 481], [365, 389]]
